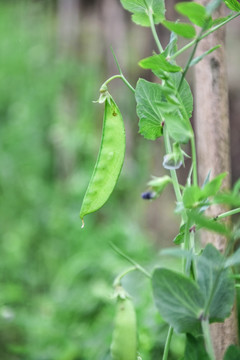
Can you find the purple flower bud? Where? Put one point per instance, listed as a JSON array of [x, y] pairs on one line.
[[148, 195]]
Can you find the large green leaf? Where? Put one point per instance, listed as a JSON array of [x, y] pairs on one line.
[[195, 348], [196, 13], [158, 62], [157, 104], [177, 122], [216, 283], [234, 259], [141, 9], [182, 29], [178, 299], [148, 95], [232, 353]]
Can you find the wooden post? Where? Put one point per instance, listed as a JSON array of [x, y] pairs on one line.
[[212, 135]]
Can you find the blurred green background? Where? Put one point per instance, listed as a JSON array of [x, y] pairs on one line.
[[56, 279]]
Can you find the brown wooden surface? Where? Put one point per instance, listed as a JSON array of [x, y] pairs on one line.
[[213, 147]]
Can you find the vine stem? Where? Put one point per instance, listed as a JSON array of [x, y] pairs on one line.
[[194, 160], [118, 279], [122, 77], [167, 343], [133, 262], [156, 38], [184, 48], [227, 213], [207, 339]]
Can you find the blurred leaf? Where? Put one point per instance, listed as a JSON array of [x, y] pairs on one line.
[[234, 259], [191, 196], [232, 353], [196, 13], [200, 57], [195, 348], [158, 62], [182, 29], [216, 283], [213, 186], [233, 5], [207, 223], [141, 9], [171, 47]]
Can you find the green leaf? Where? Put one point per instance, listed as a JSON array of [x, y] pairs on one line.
[[171, 48], [157, 104], [158, 62], [233, 5], [212, 188], [158, 184], [200, 57], [209, 224], [182, 29], [177, 122], [216, 283], [219, 21], [196, 13], [178, 299], [236, 187], [195, 348], [191, 196], [232, 353], [151, 118], [227, 198], [234, 259], [141, 10]]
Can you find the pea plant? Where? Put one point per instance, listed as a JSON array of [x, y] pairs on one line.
[[203, 291]]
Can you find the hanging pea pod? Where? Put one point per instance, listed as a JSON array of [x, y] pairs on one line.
[[109, 162], [124, 341]]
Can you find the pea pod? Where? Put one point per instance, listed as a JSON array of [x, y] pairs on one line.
[[124, 341], [109, 162]]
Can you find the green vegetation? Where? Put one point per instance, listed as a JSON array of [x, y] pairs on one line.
[[56, 279]]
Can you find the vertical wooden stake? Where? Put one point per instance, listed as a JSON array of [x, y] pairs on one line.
[[212, 133]]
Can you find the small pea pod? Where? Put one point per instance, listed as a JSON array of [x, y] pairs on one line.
[[124, 341], [109, 162]]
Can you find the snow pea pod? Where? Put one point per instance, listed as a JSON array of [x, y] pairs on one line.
[[124, 341], [109, 162]]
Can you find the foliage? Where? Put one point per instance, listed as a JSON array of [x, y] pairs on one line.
[[55, 278], [203, 291]]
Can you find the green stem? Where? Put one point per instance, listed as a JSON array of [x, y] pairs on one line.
[[118, 279], [134, 263], [194, 160], [122, 77], [167, 343], [227, 213], [150, 15], [207, 339], [190, 58], [172, 172], [184, 48]]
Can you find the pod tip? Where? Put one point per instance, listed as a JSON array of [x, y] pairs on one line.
[[82, 224]]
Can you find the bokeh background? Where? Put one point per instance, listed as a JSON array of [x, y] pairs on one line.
[[56, 279]]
